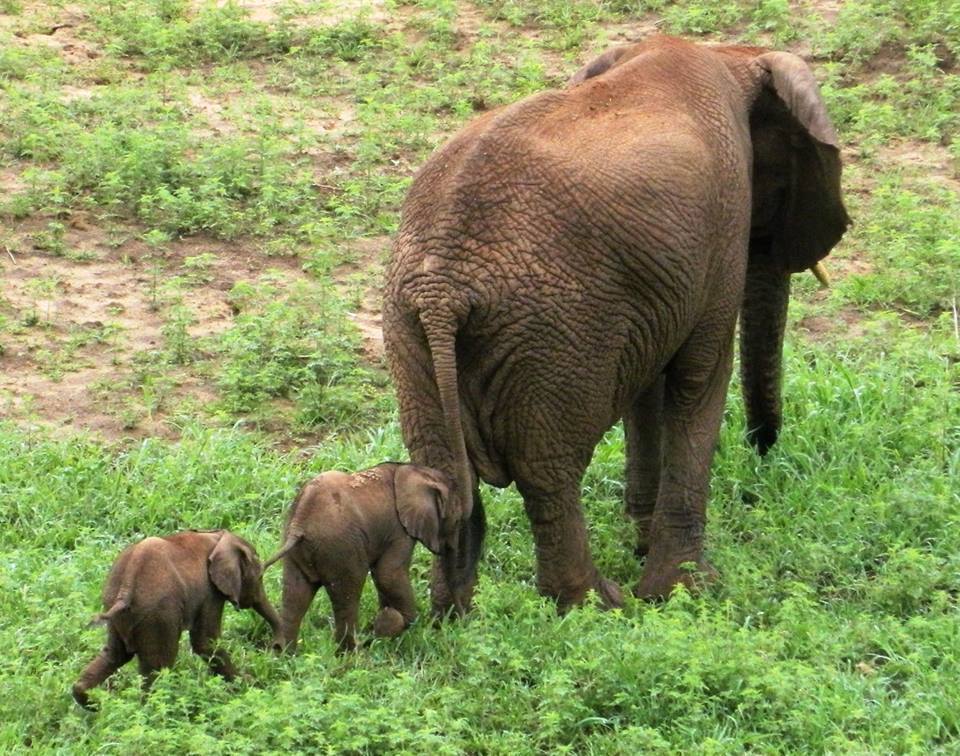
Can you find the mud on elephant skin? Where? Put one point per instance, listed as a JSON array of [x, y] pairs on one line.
[[582, 256], [341, 526], [160, 586]]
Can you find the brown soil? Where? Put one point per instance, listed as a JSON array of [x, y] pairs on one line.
[[848, 323], [927, 161], [271, 11], [10, 183], [84, 321], [631, 31], [828, 10], [364, 273], [57, 28]]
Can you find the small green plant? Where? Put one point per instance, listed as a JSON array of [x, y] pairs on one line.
[[198, 268], [295, 345], [349, 40], [51, 238], [43, 289], [157, 241], [180, 346]]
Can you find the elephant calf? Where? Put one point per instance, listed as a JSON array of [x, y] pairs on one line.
[[342, 526], [160, 586]]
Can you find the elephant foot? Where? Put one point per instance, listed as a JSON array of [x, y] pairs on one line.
[[643, 523], [281, 646], [388, 623], [81, 697], [609, 593], [443, 607], [657, 583], [611, 597]]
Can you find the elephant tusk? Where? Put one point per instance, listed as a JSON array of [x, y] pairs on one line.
[[820, 271]]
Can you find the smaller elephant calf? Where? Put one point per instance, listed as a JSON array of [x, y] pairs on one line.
[[161, 586], [341, 526]]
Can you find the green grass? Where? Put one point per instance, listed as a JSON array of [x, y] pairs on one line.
[[279, 347], [195, 139], [832, 627]]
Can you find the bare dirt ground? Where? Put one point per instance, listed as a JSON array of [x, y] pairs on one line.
[[369, 256], [84, 320], [86, 316], [270, 11]]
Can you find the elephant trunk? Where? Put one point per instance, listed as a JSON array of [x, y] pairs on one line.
[[763, 319]]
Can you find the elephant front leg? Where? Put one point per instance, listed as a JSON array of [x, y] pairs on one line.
[[565, 569], [204, 634], [694, 397], [391, 576], [642, 427]]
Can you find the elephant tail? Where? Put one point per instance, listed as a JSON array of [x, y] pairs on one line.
[[122, 603], [463, 527], [292, 540], [294, 528], [443, 351]]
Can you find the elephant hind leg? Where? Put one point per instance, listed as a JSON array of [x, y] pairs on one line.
[[298, 593], [344, 593], [112, 656], [694, 397], [643, 424], [157, 644], [565, 569]]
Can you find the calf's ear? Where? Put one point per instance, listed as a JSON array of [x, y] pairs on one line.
[[227, 563], [421, 495]]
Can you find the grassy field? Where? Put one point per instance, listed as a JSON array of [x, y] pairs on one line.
[[196, 203]]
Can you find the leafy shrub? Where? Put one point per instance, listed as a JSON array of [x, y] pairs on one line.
[[299, 345]]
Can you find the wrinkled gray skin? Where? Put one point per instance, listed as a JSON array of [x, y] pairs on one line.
[[582, 256], [161, 586], [340, 527]]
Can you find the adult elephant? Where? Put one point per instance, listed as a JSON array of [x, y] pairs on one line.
[[580, 257]]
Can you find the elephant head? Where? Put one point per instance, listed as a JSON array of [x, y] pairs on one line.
[[236, 572], [798, 213], [798, 217]]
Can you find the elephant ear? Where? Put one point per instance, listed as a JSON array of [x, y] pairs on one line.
[[811, 217], [603, 63], [421, 500], [231, 564]]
